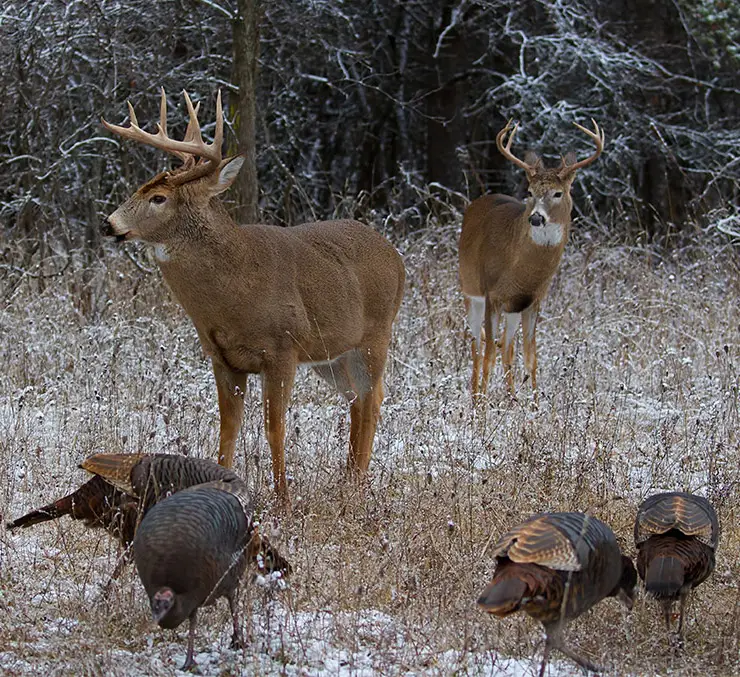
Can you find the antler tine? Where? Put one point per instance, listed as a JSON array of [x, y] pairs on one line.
[[218, 136], [189, 132], [192, 133], [597, 136], [189, 148], [505, 150], [163, 112], [132, 115], [162, 126]]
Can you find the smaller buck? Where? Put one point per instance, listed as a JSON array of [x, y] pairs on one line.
[[509, 252], [265, 299]]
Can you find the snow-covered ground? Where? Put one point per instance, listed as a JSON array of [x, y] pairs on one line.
[[639, 393]]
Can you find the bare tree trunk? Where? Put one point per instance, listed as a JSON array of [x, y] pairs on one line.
[[246, 53], [444, 121]]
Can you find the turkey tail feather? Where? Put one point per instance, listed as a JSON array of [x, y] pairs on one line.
[[664, 576], [503, 596], [48, 512]]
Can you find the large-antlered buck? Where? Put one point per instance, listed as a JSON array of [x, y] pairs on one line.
[[265, 298], [509, 252]]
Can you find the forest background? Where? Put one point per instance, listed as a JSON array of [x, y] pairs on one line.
[[347, 105]]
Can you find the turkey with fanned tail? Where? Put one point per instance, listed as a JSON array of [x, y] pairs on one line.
[[676, 535], [124, 487], [555, 566]]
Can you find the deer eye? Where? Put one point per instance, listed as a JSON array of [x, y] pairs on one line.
[[158, 199], [528, 194], [558, 195]]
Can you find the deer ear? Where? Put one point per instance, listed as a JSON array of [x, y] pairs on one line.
[[534, 160], [227, 174], [566, 173], [569, 159]]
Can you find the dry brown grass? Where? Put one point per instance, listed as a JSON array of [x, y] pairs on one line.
[[639, 377]]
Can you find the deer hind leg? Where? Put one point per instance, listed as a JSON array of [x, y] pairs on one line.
[[348, 376], [358, 376], [475, 310], [475, 352], [529, 327], [364, 415], [492, 316], [366, 368], [277, 384], [511, 323], [230, 386]]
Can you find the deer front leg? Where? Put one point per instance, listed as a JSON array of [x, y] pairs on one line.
[[511, 323], [277, 384], [474, 309], [491, 331], [230, 386], [472, 314], [529, 327]]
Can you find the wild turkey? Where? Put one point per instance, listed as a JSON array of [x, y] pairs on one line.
[[125, 487], [676, 535], [554, 567], [210, 528]]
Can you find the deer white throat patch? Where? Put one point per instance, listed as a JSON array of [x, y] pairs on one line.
[[549, 235]]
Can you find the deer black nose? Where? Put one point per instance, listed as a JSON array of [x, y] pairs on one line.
[[537, 219], [106, 227]]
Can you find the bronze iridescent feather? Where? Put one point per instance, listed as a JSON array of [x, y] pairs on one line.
[[691, 515], [676, 534], [555, 566]]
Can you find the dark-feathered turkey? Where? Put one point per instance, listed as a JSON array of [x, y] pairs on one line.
[[554, 567], [676, 535], [192, 548], [126, 486]]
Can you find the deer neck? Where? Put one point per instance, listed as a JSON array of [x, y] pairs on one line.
[[540, 251], [200, 263], [200, 236]]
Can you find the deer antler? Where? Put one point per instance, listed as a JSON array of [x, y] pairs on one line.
[[598, 138], [506, 150], [188, 149]]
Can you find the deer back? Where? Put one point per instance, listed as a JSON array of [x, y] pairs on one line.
[[314, 289]]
